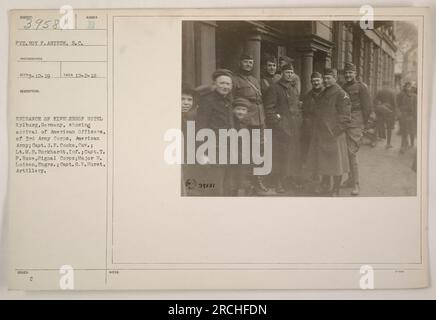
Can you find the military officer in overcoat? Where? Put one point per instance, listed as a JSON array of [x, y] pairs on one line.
[[361, 111], [331, 116], [310, 101], [285, 60], [284, 117]]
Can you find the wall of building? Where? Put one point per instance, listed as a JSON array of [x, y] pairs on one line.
[[314, 45], [372, 51]]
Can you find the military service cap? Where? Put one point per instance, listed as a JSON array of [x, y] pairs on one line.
[[241, 102], [246, 56], [222, 72], [288, 66]]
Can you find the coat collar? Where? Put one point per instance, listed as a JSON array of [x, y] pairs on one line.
[[285, 84], [316, 94], [227, 98], [350, 83], [332, 89], [244, 74], [266, 75]]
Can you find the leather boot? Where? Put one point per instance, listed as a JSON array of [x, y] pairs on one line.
[[335, 192], [336, 186], [347, 183], [279, 187], [259, 186], [356, 190]]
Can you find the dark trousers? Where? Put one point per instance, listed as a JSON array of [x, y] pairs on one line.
[[407, 129]]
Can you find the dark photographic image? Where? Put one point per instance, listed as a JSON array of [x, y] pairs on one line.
[[299, 108]]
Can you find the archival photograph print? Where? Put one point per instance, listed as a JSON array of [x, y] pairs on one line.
[[299, 108]]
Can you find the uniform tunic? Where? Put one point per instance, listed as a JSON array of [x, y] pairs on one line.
[[247, 86], [361, 108], [266, 82]]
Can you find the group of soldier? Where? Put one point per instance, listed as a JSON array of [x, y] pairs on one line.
[[318, 132]]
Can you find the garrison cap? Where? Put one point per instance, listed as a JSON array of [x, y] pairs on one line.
[[286, 59], [349, 67], [329, 72], [316, 75]]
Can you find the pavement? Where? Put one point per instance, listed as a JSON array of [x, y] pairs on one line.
[[387, 172], [383, 172]]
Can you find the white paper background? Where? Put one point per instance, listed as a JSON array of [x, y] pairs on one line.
[[6, 5]]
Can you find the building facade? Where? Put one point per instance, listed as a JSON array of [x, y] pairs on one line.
[[314, 46], [406, 62]]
